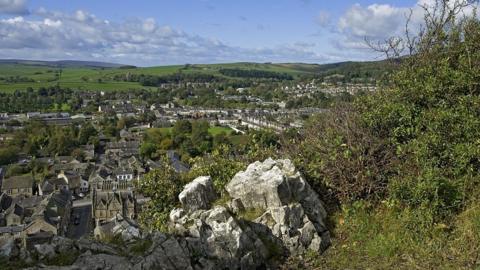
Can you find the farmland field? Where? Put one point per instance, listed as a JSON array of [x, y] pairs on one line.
[[21, 76]]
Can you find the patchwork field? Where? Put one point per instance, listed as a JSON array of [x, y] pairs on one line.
[[24, 75]]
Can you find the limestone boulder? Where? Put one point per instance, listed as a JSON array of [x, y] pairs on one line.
[[198, 194], [292, 211]]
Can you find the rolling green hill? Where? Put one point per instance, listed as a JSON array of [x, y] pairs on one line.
[[22, 74]]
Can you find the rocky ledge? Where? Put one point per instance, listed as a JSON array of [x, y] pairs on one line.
[[269, 213]]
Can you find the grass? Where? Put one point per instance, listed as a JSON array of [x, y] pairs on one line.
[[391, 237], [7, 264], [63, 259], [251, 214], [222, 201], [115, 240], [239, 139], [141, 246], [217, 130]]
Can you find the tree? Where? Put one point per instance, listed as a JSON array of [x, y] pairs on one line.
[[147, 150], [200, 136], [8, 155], [86, 132], [182, 127], [162, 186], [221, 139]]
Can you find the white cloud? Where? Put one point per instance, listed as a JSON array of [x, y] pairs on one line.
[[81, 35], [379, 22], [16, 7], [375, 21]]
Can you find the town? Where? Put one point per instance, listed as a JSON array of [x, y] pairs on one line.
[[90, 189]]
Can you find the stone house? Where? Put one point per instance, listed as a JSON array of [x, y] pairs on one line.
[[12, 231], [107, 205], [123, 149], [52, 184], [19, 185], [14, 215], [76, 183]]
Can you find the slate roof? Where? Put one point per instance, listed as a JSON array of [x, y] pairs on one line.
[[5, 201], [24, 181], [12, 229], [15, 209], [30, 202], [176, 163]]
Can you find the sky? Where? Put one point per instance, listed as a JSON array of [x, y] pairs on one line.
[[165, 32]]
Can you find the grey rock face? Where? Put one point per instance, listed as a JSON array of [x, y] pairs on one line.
[[45, 251], [198, 194], [292, 217], [293, 212], [102, 261], [165, 253], [220, 240], [6, 247]]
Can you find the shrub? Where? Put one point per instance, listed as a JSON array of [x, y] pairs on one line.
[[162, 185], [342, 159]]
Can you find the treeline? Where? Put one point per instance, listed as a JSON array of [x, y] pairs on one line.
[[16, 79], [38, 139], [254, 73], [153, 80], [43, 99]]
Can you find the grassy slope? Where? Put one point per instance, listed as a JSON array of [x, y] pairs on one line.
[[88, 77]]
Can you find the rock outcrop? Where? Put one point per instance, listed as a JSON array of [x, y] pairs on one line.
[[293, 212], [198, 194], [270, 212], [290, 217]]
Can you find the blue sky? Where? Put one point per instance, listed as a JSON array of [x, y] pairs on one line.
[[198, 31]]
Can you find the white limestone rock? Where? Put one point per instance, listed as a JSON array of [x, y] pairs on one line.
[[198, 194]]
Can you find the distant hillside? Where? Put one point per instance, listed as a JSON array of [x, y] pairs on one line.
[[60, 63], [87, 75]]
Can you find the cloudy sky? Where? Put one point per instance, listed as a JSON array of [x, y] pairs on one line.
[[160, 32]]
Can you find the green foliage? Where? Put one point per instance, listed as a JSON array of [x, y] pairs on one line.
[[86, 133], [219, 165], [341, 158], [140, 247], [16, 169], [388, 236], [252, 73], [182, 127], [147, 150], [404, 163], [8, 155], [115, 240], [65, 258], [431, 116], [162, 186]]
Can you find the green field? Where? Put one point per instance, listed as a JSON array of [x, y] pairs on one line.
[[101, 78]]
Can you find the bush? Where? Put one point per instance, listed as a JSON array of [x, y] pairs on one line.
[[162, 185], [8, 155], [341, 158], [219, 165]]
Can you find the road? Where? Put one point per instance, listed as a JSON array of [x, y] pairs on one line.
[[84, 227]]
